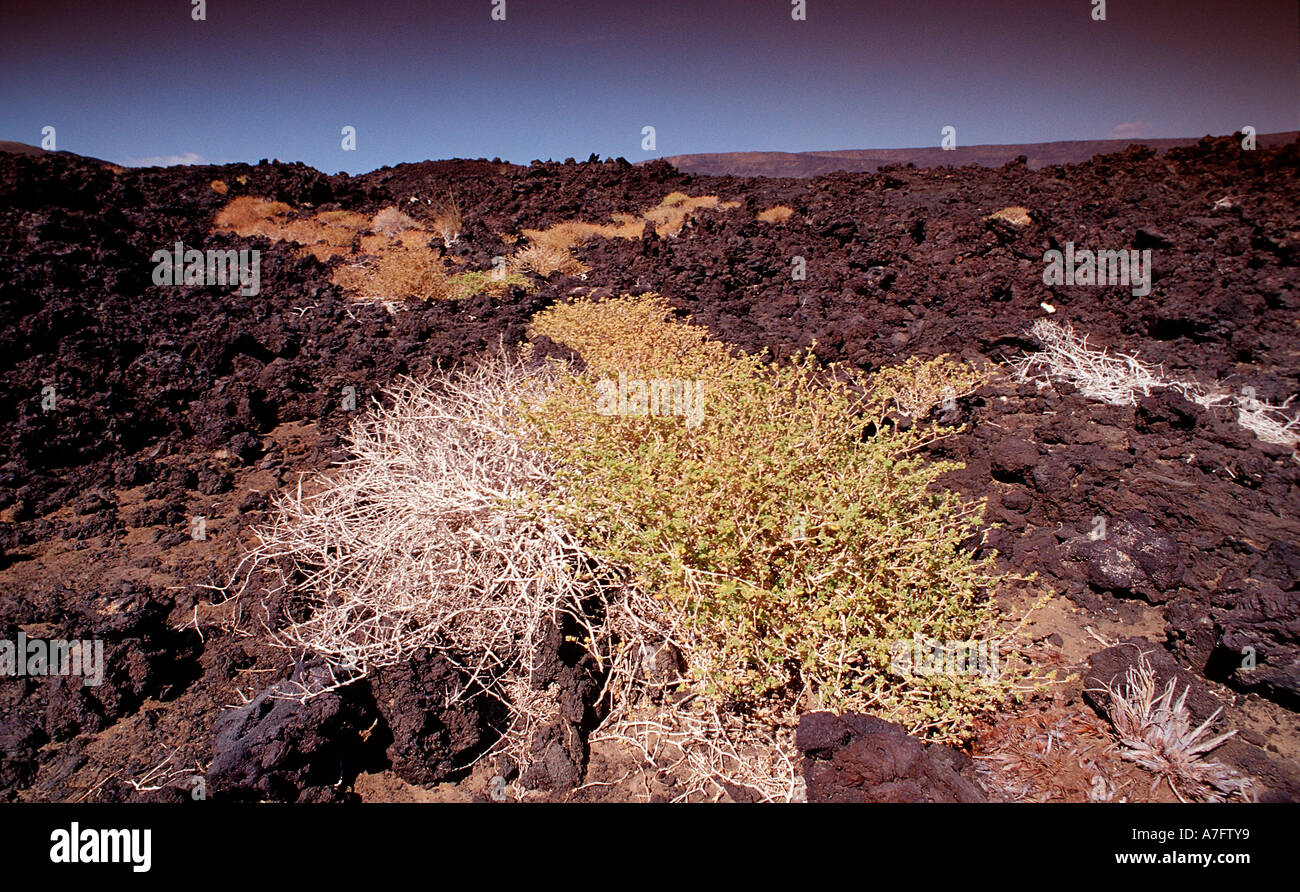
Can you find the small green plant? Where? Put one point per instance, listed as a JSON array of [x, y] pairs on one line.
[[472, 282], [793, 551]]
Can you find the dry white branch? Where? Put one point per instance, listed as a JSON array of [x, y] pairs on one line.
[[1119, 378], [428, 537]]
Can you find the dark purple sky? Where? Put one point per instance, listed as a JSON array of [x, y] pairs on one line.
[[139, 80]]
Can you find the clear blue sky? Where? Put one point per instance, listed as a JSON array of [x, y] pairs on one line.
[[132, 81]]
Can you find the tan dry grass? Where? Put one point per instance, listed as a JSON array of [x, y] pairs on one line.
[[447, 219], [671, 214], [250, 216], [547, 259], [413, 239], [323, 235], [1015, 215], [398, 273], [668, 218], [776, 214], [572, 233]]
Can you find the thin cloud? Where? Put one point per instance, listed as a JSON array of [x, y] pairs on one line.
[[1130, 130], [167, 160]]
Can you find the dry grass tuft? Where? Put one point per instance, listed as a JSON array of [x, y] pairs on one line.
[[391, 222], [323, 235], [1155, 732], [671, 214], [546, 259], [571, 234], [668, 218], [397, 274], [778, 214], [1016, 216], [447, 219], [219, 187], [249, 216]]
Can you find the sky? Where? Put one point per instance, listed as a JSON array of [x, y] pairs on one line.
[[141, 82]]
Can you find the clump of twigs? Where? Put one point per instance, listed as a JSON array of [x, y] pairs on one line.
[[1154, 730], [1119, 378], [659, 715], [1115, 379], [391, 221], [425, 538]]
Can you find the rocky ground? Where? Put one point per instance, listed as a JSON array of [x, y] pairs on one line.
[[171, 403]]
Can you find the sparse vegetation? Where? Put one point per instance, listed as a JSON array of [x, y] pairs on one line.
[[783, 564], [671, 214], [567, 235], [667, 218], [395, 275], [323, 235]]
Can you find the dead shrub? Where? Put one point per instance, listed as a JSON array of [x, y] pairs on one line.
[[395, 275], [1016, 216], [777, 214], [547, 259], [391, 222], [428, 537]]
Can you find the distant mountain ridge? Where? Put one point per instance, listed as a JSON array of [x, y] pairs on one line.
[[22, 148], [801, 165], [812, 164]]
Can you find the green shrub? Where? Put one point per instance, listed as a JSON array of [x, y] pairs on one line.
[[792, 549], [472, 282]]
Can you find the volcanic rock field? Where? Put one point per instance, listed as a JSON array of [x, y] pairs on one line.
[[132, 409]]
